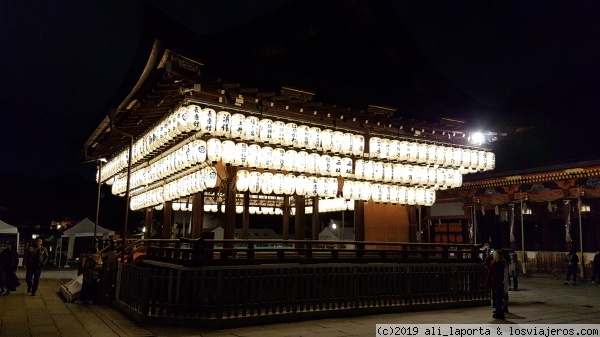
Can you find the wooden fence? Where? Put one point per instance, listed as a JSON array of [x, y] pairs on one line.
[[217, 296]]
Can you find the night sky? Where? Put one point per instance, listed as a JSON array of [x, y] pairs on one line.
[[530, 64]]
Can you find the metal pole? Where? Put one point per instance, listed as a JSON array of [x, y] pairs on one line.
[[100, 161], [342, 236], [420, 210], [580, 233], [474, 224], [522, 237], [127, 198]]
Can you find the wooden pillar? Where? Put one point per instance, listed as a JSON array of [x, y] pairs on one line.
[[197, 215], [316, 226], [359, 220], [229, 232], [286, 217], [148, 223], [246, 216], [299, 220], [167, 220]]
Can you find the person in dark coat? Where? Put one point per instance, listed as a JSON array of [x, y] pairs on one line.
[[572, 261], [92, 273], [495, 265], [35, 259], [596, 275], [9, 262]]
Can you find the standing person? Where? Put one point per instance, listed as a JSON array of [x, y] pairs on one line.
[[9, 262], [572, 261], [92, 272], [35, 259], [506, 279], [513, 271], [596, 277], [495, 265]]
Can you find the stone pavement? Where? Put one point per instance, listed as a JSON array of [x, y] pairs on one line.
[[538, 301]]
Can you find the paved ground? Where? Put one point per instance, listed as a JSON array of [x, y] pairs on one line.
[[540, 300]]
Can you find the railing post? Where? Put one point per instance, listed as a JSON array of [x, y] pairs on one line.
[[250, 251]]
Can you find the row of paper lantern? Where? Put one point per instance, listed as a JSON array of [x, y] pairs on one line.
[[241, 154], [256, 182], [325, 206], [253, 129]]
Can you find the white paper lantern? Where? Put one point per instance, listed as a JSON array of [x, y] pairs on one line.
[[377, 171], [194, 121], [359, 169], [369, 169], [422, 153], [420, 196], [241, 180], [336, 163], [241, 155], [429, 197], [321, 182], [376, 192], [346, 168], [254, 179], [480, 161], [385, 149], [289, 184], [411, 196], [265, 130], [223, 125], [237, 125], [291, 134], [213, 150], [403, 195], [358, 145], [466, 158], [348, 189], [266, 157], [440, 155], [490, 160], [253, 155], [251, 127], [300, 161], [338, 139], [312, 163], [413, 152], [431, 153], [394, 150], [278, 162], [303, 137], [290, 160], [346, 146], [327, 140], [278, 183], [403, 151], [375, 147], [227, 152], [278, 133], [388, 172], [457, 155], [301, 184], [208, 118], [211, 177], [266, 183], [314, 138], [325, 166], [448, 156], [312, 186], [395, 194]]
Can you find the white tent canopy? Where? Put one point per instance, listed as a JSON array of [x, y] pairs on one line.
[[83, 228], [7, 229]]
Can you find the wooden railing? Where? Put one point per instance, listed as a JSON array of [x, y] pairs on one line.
[[295, 291], [202, 252]]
